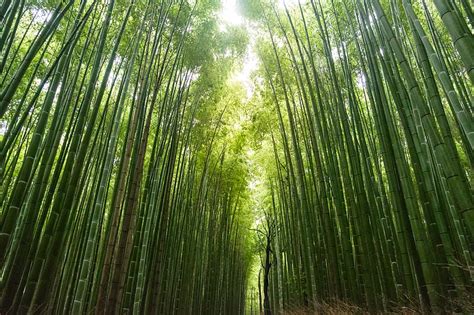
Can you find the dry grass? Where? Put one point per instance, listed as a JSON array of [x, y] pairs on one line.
[[334, 308], [462, 304]]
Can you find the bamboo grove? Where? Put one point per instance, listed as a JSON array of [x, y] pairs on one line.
[[137, 177], [115, 196], [371, 188]]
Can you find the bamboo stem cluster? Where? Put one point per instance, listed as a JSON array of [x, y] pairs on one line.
[[373, 153], [114, 199]]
